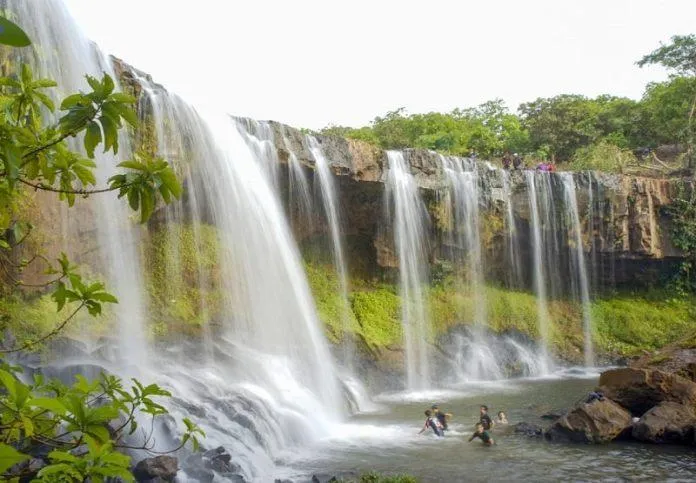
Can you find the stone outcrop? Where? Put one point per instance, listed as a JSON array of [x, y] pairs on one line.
[[638, 390], [668, 422], [594, 422], [157, 469]]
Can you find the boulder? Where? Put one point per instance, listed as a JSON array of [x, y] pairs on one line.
[[595, 422], [638, 390], [531, 430], [159, 468], [668, 422], [220, 460]]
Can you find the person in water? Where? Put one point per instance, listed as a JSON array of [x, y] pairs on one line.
[[485, 420], [441, 416], [502, 418], [432, 422], [483, 435]]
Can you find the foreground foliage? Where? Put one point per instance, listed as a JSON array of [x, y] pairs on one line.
[[79, 429], [49, 431]]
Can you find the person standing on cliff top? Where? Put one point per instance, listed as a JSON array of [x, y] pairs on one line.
[[516, 161]]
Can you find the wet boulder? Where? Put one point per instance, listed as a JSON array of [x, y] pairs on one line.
[[599, 421], [220, 460], [531, 430], [159, 468], [638, 390], [668, 422]]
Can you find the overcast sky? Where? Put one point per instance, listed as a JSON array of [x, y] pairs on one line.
[[309, 63]]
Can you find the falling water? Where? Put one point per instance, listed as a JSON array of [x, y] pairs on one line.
[[270, 357], [572, 210], [543, 317], [475, 358], [513, 249], [62, 53], [299, 193], [465, 197], [329, 201], [409, 220]]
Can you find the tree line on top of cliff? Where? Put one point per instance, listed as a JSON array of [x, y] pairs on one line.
[[566, 128]]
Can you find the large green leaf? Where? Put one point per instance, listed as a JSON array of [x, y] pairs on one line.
[[10, 457], [12, 34]]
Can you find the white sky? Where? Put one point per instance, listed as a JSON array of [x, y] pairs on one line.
[[309, 63]]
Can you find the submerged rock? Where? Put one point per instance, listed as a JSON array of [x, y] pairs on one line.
[[595, 422], [668, 422], [531, 430], [638, 390], [159, 468]]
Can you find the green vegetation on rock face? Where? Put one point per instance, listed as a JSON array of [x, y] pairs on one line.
[[628, 324], [624, 324], [183, 278]]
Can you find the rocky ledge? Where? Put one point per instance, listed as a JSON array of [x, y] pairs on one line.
[[646, 405]]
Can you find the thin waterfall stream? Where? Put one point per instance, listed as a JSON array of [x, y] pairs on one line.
[[579, 265], [406, 207], [331, 209]]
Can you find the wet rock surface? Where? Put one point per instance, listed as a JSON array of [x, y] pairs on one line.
[[638, 390], [599, 421], [159, 468], [528, 429], [668, 422]]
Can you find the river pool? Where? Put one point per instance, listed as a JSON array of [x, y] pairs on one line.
[[387, 441]]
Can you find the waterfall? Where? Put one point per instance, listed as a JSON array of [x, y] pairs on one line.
[[60, 52], [329, 201], [579, 264], [299, 194], [463, 181], [513, 250], [272, 382], [404, 203], [475, 359], [543, 316]]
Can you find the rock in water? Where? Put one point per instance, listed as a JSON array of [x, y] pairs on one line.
[[668, 422], [159, 468], [531, 430], [638, 390], [595, 422]]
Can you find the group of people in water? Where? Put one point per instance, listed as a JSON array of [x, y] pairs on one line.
[[437, 421]]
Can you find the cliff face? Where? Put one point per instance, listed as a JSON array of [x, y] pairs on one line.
[[626, 232]]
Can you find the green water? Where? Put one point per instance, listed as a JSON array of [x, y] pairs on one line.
[[388, 441]]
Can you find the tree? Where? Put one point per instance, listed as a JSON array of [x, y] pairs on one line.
[[84, 425], [560, 124], [679, 56]]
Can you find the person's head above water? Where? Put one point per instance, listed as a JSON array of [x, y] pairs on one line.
[[479, 428], [435, 407], [428, 412], [502, 416], [484, 409]]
